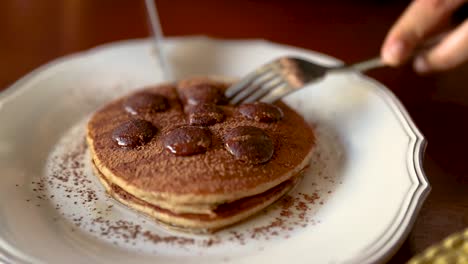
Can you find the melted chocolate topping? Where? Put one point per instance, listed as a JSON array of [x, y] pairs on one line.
[[205, 115], [188, 140], [133, 133], [202, 94], [143, 103], [249, 144], [261, 112]]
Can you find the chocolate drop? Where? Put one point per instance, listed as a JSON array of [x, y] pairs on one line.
[[187, 140], [144, 102], [261, 112], [133, 133], [202, 94], [205, 115], [249, 144]]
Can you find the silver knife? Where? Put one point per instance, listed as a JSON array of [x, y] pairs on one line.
[[158, 38]]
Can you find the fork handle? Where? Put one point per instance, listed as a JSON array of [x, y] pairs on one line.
[[377, 62], [366, 65], [361, 66]]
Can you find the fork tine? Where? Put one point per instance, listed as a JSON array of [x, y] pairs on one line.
[[245, 82], [253, 87], [266, 88], [276, 94]]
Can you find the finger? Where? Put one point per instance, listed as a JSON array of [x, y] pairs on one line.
[[451, 52], [419, 20]]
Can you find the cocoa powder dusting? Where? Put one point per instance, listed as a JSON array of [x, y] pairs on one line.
[[74, 186]]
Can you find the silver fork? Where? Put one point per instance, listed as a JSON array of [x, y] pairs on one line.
[[285, 75]]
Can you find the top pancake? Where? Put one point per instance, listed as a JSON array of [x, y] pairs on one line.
[[151, 172]]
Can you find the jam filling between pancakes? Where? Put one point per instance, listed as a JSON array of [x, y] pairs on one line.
[[222, 211]]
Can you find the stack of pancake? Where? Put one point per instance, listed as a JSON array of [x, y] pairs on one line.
[[180, 154]]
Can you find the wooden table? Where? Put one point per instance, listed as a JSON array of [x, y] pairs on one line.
[[33, 32]]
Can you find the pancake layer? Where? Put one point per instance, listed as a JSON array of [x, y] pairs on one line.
[[231, 154]]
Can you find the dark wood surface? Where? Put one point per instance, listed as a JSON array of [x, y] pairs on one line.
[[34, 32]]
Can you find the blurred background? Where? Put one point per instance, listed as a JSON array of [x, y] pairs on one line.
[[34, 32]]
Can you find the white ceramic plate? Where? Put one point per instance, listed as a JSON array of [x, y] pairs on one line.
[[356, 204]]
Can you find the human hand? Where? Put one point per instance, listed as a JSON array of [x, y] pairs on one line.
[[422, 19]]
